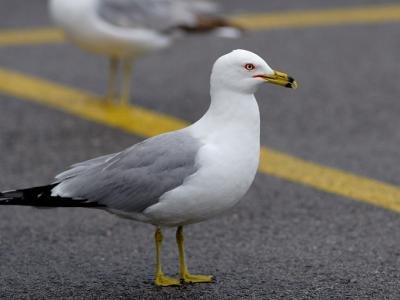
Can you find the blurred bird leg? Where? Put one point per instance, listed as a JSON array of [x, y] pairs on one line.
[[161, 279], [185, 276], [126, 80], [112, 79]]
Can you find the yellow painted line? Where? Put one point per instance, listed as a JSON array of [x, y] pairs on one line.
[[30, 36], [256, 21], [316, 18], [330, 180], [86, 105], [147, 123]]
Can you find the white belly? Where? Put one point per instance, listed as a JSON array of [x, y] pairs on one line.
[[83, 26], [227, 171]]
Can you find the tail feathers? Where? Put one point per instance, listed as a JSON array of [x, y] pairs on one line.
[[41, 197], [207, 23]]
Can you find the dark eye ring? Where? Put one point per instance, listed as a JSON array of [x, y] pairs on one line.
[[249, 67]]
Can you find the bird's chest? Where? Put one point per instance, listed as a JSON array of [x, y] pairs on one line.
[[231, 164], [226, 170], [227, 163]]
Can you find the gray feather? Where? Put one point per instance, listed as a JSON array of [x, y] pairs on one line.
[[136, 178], [81, 167], [159, 15]]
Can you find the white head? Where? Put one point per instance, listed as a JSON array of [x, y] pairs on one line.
[[243, 71]]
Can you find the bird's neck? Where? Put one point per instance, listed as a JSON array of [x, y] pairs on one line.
[[231, 111]]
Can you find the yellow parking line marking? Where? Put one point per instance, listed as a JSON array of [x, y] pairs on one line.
[[329, 179], [86, 105], [254, 21], [30, 36], [315, 18], [147, 123]]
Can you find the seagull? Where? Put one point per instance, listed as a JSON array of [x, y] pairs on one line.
[[124, 30], [180, 177]]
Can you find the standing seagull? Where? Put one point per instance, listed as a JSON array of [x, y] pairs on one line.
[[181, 177], [126, 29]]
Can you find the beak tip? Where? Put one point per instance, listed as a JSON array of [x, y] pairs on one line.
[[281, 79], [291, 83]]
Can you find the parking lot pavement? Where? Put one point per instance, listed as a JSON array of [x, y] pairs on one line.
[[284, 240]]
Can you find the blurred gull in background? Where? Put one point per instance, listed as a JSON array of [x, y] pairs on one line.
[[124, 30]]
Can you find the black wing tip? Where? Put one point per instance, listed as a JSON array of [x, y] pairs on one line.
[[41, 197]]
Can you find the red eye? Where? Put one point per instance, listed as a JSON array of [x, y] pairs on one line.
[[249, 67]]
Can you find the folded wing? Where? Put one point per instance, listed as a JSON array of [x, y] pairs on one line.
[[134, 179]]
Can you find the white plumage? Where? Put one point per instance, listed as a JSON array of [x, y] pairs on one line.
[[181, 177], [124, 30]]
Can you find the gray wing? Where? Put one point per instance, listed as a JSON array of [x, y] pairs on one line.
[[159, 15], [136, 178], [79, 168]]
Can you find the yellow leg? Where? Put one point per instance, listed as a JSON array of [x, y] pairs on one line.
[[161, 279], [183, 271], [112, 79], [126, 81]]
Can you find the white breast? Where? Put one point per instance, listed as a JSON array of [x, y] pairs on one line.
[[227, 162], [83, 26]]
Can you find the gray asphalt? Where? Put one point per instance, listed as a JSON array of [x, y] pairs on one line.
[[284, 240]]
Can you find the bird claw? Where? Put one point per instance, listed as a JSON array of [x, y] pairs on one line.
[[189, 278], [163, 280]]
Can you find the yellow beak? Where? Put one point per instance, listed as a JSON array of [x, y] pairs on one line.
[[280, 78]]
